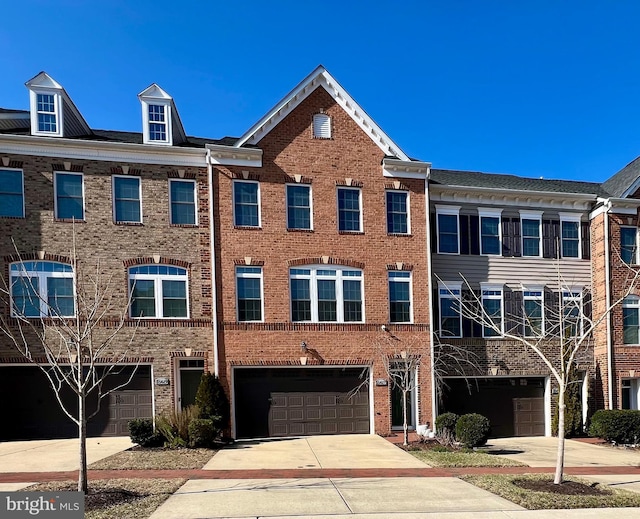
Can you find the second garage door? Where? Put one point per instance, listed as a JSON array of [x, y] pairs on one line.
[[300, 402]]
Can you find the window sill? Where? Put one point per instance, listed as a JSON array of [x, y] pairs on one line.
[[400, 234], [351, 232], [184, 225], [309, 231], [134, 224], [13, 217], [69, 220], [247, 227]]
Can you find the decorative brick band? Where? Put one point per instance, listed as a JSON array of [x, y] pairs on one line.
[[297, 179], [296, 362], [246, 175], [117, 170], [186, 175], [35, 256], [178, 354], [168, 323], [349, 182], [322, 327], [8, 163], [396, 186], [249, 261], [75, 168], [247, 227], [162, 260], [399, 265], [325, 260], [100, 360]]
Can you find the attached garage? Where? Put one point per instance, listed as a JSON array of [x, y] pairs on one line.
[[32, 411], [514, 406], [280, 402]]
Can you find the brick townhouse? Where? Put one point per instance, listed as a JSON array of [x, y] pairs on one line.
[[304, 260]]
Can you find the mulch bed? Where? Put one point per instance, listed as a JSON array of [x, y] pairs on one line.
[[567, 488], [99, 499]]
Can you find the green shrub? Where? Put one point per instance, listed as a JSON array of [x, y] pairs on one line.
[[573, 411], [212, 400], [616, 425], [174, 426], [141, 432], [202, 432], [446, 422], [472, 430]]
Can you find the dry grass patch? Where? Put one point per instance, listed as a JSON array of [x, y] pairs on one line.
[[118, 498], [461, 458], [150, 459], [537, 492]]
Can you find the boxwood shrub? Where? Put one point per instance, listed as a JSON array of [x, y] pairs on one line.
[[472, 430], [616, 425]]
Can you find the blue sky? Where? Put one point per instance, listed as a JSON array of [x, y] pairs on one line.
[[533, 88]]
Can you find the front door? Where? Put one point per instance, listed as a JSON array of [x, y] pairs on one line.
[[191, 371], [397, 418]]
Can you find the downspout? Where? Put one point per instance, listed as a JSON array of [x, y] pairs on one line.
[[429, 279], [607, 275], [214, 292]]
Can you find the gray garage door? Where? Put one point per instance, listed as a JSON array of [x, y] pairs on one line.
[[279, 402]]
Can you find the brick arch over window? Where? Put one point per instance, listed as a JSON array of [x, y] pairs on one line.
[[152, 261], [38, 256], [325, 260]]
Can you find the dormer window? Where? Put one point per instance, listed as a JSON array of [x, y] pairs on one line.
[[47, 117], [321, 126], [157, 123]]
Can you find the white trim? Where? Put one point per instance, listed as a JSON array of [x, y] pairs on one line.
[[531, 215], [448, 210], [571, 218], [321, 78], [484, 212], [233, 202], [247, 275], [636, 231], [57, 112], [540, 300], [395, 168], [321, 127], [231, 156], [409, 281], [286, 206], [547, 406], [43, 281], [450, 288], [55, 192], [24, 203], [178, 377], [158, 291], [493, 287], [146, 123], [631, 189], [113, 198], [360, 203], [408, 204], [195, 199]]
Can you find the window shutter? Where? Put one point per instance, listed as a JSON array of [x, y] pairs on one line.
[[467, 301], [434, 233], [507, 237], [436, 311], [587, 306], [321, 126], [517, 240], [513, 311], [464, 234], [474, 235], [586, 240], [552, 312]]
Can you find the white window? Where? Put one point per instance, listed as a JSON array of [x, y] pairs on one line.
[[531, 230], [321, 126], [449, 298], [490, 232], [572, 313], [246, 203], [182, 202], [349, 209], [492, 309], [448, 229], [69, 195], [631, 320], [42, 288], [570, 235], [398, 212], [249, 300], [157, 123], [158, 291], [630, 393], [11, 193], [127, 199], [299, 210], [533, 311], [47, 118], [629, 245], [323, 293], [400, 297]]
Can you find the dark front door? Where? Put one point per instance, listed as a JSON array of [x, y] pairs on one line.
[[189, 382], [528, 414]]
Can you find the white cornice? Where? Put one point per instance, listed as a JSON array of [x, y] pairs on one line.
[[321, 78], [99, 150], [232, 156], [507, 197], [624, 206], [396, 168]]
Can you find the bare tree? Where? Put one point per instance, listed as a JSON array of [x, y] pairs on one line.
[[568, 333], [70, 335]]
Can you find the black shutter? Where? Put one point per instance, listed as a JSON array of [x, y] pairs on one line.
[[551, 312], [586, 240], [507, 237], [586, 308], [517, 313], [474, 235], [434, 234], [470, 328], [507, 295], [464, 234], [547, 239], [517, 239], [436, 311]]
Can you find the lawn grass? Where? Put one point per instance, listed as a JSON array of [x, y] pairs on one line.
[[150, 459], [503, 485], [118, 498], [437, 458]]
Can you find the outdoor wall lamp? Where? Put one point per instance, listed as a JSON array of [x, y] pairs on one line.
[[303, 346]]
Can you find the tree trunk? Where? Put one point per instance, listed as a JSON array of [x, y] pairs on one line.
[[83, 485], [560, 456], [405, 425]]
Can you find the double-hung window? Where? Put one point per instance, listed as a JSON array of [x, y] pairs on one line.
[[299, 207], [127, 199], [492, 310], [449, 298], [630, 389], [570, 235], [629, 245], [47, 113], [157, 123], [531, 222], [158, 291], [249, 293], [397, 212], [11, 193], [490, 232], [326, 294], [400, 297], [349, 209], [42, 289], [572, 312], [69, 200], [533, 311], [448, 229], [631, 320], [246, 203], [182, 199]]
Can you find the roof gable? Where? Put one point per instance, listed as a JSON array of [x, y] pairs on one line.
[[43, 80], [321, 78], [155, 94], [625, 182]]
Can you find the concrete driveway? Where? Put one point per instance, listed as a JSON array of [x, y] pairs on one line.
[[358, 451], [56, 455], [541, 452]]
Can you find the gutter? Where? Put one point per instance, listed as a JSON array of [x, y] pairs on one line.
[[607, 275], [214, 291], [430, 295]]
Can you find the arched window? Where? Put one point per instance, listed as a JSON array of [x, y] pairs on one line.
[[158, 291], [42, 289], [321, 126]]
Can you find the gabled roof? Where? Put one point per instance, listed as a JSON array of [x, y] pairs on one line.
[[321, 78], [512, 182], [154, 92], [625, 182]]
